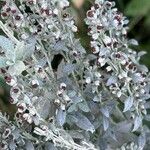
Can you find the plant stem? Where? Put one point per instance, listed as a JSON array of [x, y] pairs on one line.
[[8, 33]]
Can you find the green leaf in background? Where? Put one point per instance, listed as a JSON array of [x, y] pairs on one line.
[[2, 82], [137, 7], [147, 19], [146, 57], [4, 91]]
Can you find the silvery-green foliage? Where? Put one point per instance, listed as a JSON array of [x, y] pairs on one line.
[[89, 101]]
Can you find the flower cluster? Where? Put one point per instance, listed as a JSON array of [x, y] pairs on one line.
[[80, 101], [124, 77]]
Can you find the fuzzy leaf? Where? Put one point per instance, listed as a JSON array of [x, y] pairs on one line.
[[60, 72], [105, 111], [12, 146], [50, 146], [61, 117], [25, 50], [17, 68], [28, 50], [84, 106], [133, 42], [68, 68], [11, 55], [137, 78], [60, 46], [84, 123], [76, 134], [19, 49], [111, 80], [128, 104], [6, 44], [137, 123], [141, 53], [72, 108], [141, 141], [123, 127], [29, 146], [45, 109], [72, 93], [105, 123], [3, 61], [142, 68]]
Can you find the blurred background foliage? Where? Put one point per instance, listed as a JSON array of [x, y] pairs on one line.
[[138, 13]]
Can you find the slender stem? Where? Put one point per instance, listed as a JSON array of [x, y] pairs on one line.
[[48, 60], [8, 32]]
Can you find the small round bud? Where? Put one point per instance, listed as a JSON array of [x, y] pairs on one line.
[[34, 83], [99, 27], [90, 13], [60, 93], [13, 11], [63, 86], [8, 9], [130, 66], [21, 107], [17, 17], [4, 14], [65, 15], [6, 133], [118, 55], [96, 6], [88, 80], [15, 90], [8, 79], [30, 2]]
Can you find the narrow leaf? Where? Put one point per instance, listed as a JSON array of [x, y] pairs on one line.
[[137, 123], [141, 141], [128, 104], [111, 80], [105, 123], [61, 117], [84, 123], [133, 42], [105, 111], [84, 106]]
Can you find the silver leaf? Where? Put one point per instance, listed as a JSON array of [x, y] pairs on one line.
[[111, 80], [105, 123], [6, 44], [3, 61], [84, 123], [61, 117], [128, 104], [133, 42], [141, 141], [137, 123], [105, 111]]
